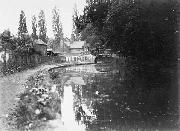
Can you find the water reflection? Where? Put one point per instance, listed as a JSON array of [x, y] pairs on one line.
[[75, 112], [127, 97], [68, 113]]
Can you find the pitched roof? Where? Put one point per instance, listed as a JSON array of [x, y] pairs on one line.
[[77, 44], [67, 43], [39, 42]]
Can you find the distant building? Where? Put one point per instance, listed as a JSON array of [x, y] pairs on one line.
[[40, 47], [79, 53], [78, 47], [62, 47], [50, 52]]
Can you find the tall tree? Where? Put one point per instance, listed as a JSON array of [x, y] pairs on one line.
[[22, 25], [57, 29], [57, 25], [91, 23], [75, 33], [142, 29], [42, 26], [34, 27]]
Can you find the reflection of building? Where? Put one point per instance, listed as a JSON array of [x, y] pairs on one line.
[[83, 68], [77, 80]]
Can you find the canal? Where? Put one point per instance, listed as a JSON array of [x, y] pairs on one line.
[[100, 97]]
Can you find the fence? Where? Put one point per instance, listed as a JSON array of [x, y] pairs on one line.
[[19, 62], [80, 59]]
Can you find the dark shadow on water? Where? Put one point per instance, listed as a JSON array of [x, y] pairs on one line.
[[145, 98]]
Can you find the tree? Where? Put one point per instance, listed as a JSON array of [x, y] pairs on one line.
[[34, 28], [89, 34], [146, 30], [22, 25], [75, 33], [42, 26], [143, 29], [91, 23], [57, 27], [22, 31], [7, 40], [6, 43]]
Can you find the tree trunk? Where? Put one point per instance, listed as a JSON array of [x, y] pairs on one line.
[[4, 69]]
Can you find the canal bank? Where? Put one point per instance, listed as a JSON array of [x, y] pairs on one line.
[[11, 86]]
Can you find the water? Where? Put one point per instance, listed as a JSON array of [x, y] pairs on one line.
[[110, 97]]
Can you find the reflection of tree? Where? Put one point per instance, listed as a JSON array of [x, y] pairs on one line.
[[142, 98], [77, 89], [110, 91]]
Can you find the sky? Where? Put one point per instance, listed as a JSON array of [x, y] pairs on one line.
[[10, 13]]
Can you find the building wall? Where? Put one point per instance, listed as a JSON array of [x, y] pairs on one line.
[[80, 59], [41, 48], [78, 50]]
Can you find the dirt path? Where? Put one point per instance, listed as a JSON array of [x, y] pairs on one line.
[[11, 86]]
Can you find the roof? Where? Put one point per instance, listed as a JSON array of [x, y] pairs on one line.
[[49, 49], [72, 54], [67, 43], [77, 44], [39, 42]]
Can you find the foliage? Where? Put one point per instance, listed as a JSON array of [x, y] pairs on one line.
[[50, 43], [37, 104], [24, 40], [20, 48], [7, 40], [57, 26], [75, 34], [22, 25], [94, 18], [34, 27], [91, 37], [42, 26], [142, 29], [24, 45]]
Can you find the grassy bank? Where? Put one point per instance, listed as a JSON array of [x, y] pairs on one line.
[[12, 85]]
